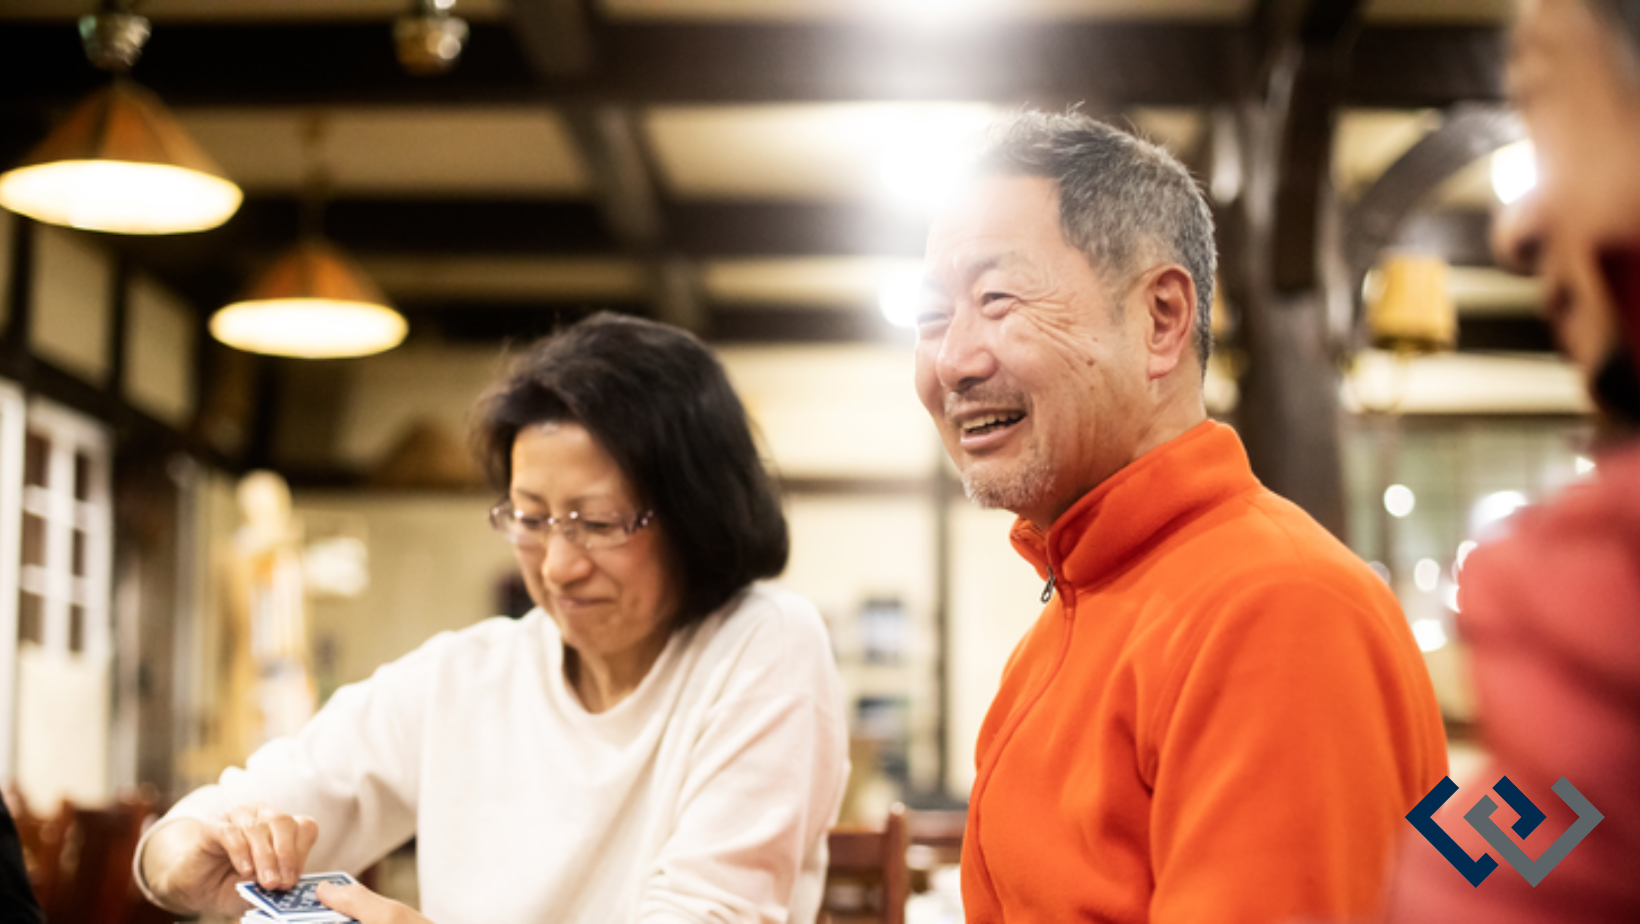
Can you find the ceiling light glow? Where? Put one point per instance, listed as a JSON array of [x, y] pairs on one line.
[[922, 151], [902, 296], [310, 328], [1514, 171], [120, 196]]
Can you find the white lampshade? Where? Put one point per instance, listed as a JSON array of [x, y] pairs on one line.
[[121, 163], [312, 304]]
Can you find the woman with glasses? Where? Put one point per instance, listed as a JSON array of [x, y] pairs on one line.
[[661, 739]]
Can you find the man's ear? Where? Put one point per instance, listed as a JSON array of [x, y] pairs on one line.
[[1169, 298]]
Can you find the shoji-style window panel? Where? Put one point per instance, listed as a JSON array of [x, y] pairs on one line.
[[63, 604], [63, 637]]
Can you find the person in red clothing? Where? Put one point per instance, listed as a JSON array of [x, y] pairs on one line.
[[1221, 715], [1551, 610]]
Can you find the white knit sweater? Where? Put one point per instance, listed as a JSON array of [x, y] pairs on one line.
[[704, 796]]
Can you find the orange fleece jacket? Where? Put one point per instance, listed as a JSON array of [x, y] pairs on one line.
[[1221, 717]]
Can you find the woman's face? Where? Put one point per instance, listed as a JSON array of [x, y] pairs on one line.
[[609, 604]]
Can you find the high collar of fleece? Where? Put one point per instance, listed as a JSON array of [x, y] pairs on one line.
[[1115, 522]]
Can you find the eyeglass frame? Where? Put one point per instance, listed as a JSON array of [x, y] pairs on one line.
[[505, 517]]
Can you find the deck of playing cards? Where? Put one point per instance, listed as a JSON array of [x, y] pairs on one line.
[[293, 906]]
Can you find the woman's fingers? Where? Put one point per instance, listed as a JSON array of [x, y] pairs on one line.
[[237, 848], [365, 906], [307, 834], [230, 833], [289, 851], [267, 845]]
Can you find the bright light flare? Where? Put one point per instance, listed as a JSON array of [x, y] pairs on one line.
[[1464, 548], [1399, 500], [922, 151], [902, 296], [123, 197], [1431, 635], [1514, 171], [310, 328], [1426, 574], [1493, 509]]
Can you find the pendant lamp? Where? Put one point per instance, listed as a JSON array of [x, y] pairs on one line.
[[1410, 311], [313, 303], [120, 162]]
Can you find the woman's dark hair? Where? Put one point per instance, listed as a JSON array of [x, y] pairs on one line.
[[656, 399]]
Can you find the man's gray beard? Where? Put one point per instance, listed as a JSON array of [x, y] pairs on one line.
[[1014, 490]]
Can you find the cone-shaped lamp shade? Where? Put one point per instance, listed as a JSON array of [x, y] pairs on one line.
[[1412, 312], [121, 163], [315, 304]]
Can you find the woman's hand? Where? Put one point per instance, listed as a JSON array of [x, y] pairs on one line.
[[365, 906], [193, 866]]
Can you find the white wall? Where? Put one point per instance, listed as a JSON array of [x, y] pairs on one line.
[[850, 549], [72, 303], [995, 596], [434, 565]]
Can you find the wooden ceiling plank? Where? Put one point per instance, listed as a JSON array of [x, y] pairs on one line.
[[1466, 133], [1112, 64]]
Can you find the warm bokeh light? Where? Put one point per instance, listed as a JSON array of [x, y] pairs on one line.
[[1426, 574], [923, 151], [1514, 171], [120, 196], [902, 296], [310, 328], [1464, 548], [1493, 509], [1431, 635], [1399, 500]]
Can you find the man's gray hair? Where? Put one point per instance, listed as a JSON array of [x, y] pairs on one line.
[[1121, 199]]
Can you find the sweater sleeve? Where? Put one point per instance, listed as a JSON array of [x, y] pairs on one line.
[[1303, 728], [353, 768], [763, 784]]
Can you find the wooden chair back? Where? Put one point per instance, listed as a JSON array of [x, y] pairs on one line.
[[44, 839], [99, 889], [79, 859], [936, 841], [867, 879]]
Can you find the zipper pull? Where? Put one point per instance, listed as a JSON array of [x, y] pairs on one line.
[[1047, 592]]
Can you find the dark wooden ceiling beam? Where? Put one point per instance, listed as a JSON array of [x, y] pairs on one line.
[[1467, 133], [1109, 64], [1461, 236], [538, 227], [555, 36], [1406, 67]]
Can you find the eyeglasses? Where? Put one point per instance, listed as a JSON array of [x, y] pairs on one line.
[[590, 530]]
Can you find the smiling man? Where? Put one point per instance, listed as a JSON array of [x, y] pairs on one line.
[[1221, 714]]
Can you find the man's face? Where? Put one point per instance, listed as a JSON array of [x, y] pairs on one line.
[[1036, 381], [1583, 115]]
